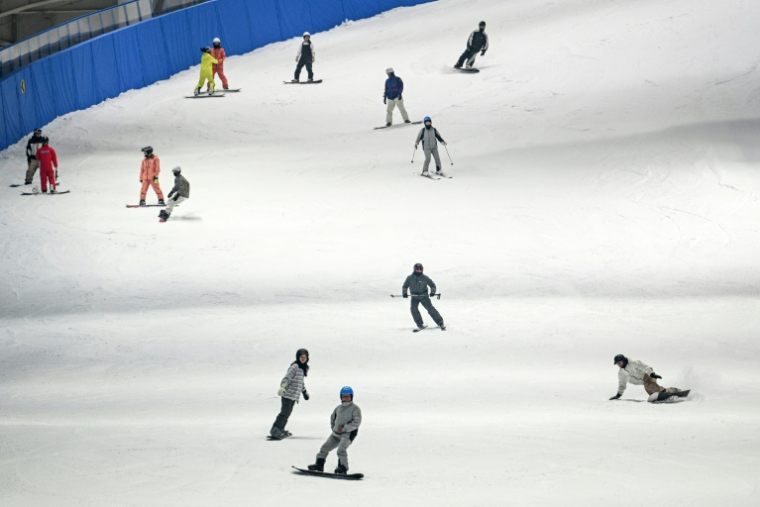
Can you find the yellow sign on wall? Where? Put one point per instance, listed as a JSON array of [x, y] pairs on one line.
[[23, 86]]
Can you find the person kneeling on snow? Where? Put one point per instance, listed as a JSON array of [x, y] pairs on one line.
[[179, 193], [639, 373]]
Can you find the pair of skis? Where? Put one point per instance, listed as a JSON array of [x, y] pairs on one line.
[[437, 176]]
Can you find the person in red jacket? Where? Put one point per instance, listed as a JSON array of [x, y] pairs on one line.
[[149, 170], [48, 165], [218, 68]]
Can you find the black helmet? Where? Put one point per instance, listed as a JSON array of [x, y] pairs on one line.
[[621, 357], [302, 351], [45, 140], [148, 150], [177, 170], [205, 49], [418, 267], [37, 131], [482, 24]]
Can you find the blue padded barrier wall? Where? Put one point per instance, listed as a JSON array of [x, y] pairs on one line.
[[141, 54]]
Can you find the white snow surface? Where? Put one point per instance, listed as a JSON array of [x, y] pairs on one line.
[[605, 200]]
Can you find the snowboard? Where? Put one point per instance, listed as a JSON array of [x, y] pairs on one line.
[[401, 124], [664, 395], [46, 193], [316, 81], [205, 96], [468, 71], [348, 477], [227, 90], [426, 327], [147, 206], [14, 185]]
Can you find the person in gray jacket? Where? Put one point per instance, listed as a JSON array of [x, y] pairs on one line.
[[344, 422], [418, 284], [179, 193], [429, 137], [291, 388]]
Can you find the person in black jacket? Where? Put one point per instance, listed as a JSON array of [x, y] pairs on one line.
[[418, 284], [31, 155], [305, 57], [478, 41]]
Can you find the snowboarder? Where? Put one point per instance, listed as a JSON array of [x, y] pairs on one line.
[[429, 137], [291, 388], [207, 71], [478, 41], [217, 51], [639, 373], [394, 87], [149, 170], [178, 194], [31, 155], [418, 284], [306, 56], [344, 422], [48, 165]]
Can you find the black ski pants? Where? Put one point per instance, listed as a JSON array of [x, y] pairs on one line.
[[428, 305], [469, 55], [301, 64], [285, 411]]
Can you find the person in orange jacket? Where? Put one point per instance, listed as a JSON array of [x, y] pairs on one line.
[[149, 170], [218, 52], [48, 160]]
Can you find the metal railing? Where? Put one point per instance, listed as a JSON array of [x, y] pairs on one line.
[[83, 28]]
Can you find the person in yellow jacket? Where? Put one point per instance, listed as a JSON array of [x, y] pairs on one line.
[[207, 72]]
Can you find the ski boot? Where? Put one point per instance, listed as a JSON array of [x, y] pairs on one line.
[[226, 87], [276, 433], [142, 202], [310, 80], [340, 469], [211, 92], [443, 327], [197, 91], [319, 466], [53, 191], [163, 215], [388, 124], [161, 202], [294, 80], [407, 121]]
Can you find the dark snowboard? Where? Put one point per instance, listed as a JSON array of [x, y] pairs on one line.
[[205, 96], [427, 327], [467, 71], [147, 206], [664, 395], [17, 185], [46, 193], [401, 124], [348, 477], [316, 81]]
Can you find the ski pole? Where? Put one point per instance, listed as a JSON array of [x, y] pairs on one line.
[[414, 153], [438, 296], [447, 153]]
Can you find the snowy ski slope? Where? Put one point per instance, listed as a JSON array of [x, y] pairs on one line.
[[605, 200]]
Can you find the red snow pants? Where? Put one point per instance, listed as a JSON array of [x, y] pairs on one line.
[[47, 174]]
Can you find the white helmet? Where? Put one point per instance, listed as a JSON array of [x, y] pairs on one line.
[[217, 41], [306, 34], [389, 70]]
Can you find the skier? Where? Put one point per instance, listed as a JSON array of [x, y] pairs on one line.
[[180, 192], [217, 51], [291, 388], [207, 71], [639, 373], [344, 422], [394, 87], [31, 159], [306, 56], [429, 137], [418, 284], [48, 161], [478, 41], [149, 170]]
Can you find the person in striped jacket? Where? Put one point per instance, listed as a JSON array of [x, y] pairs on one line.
[[291, 389]]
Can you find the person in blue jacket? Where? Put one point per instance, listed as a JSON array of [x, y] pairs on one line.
[[394, 87]]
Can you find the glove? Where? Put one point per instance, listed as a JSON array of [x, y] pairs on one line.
[[385, 100], [617, 396], [176, 197], [400, 97], [155, 179], [281, 390], [432, 294], [170, 195], [483, 53], [444, 143], [654, 375], [140, 181], [415, 145], [405, 296], [306, 395]]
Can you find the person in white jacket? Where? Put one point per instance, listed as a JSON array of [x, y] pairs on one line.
[[291, 388], [638, 373]]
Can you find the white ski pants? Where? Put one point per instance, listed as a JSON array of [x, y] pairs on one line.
[[392, 103], [173, 202], [342, 443], [434, 153]]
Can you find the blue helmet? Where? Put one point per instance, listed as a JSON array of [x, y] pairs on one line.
[[347, 390], [427, 119]]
